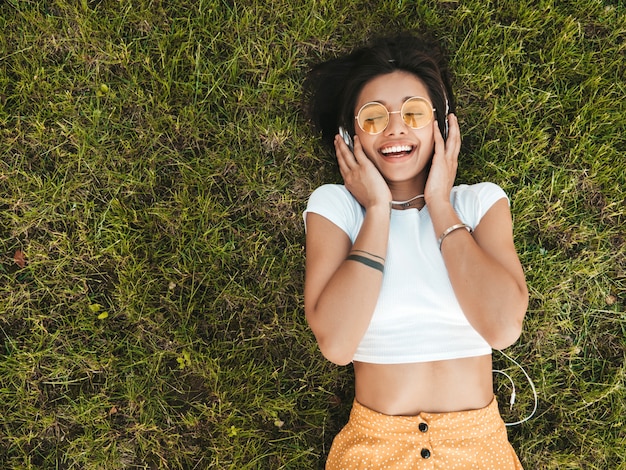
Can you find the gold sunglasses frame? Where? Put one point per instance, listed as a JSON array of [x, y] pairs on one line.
[[434, 110]]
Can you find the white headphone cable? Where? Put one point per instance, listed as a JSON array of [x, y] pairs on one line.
[[513, 394]]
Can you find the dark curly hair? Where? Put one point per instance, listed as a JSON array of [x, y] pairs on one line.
[[331, 88]]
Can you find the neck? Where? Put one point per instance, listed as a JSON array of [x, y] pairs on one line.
[[416, 200], [407, 194]]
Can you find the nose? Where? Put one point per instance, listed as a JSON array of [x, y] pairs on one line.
[[396, 125]]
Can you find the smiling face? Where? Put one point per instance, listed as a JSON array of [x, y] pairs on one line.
[[400, 152]]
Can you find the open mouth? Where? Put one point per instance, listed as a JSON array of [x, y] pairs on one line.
[[397, 150]]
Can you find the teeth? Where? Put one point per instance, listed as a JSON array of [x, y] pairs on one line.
[[397, 149]]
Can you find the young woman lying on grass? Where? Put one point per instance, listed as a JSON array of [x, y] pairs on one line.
[[410, 278]]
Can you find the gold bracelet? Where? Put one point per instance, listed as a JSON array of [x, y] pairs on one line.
[[451, 229]]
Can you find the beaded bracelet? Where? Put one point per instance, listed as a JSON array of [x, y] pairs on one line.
[[451, 229]]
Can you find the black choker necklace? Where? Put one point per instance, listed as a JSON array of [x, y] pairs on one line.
[[406, 203]]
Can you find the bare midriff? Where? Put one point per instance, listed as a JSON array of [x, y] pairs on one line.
[[432, 387]]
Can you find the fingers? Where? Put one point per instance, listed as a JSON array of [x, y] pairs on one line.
[[347, 159], [444, 164], [360, 175], [359, 155], [452, 145], [454, 135]]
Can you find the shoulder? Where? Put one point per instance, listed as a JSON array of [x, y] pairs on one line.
[[485, 191], [473, 201], [333, 198], [331, 192], [335, 203]]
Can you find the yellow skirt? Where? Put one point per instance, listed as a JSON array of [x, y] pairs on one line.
[[474, 439]]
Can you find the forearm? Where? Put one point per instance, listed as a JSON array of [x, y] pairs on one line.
[[493, 302], [344, 307], [492, 295]]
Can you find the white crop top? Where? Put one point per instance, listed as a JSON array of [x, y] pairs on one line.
[[417, 317]]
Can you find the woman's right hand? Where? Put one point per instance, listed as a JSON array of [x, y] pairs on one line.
[[360, 176]]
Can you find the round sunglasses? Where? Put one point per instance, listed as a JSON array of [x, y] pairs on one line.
[[416, 112]]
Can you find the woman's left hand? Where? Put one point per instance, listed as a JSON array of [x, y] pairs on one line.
[[444, 163]]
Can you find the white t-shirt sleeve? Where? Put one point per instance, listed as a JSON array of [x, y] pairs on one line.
[[473, 202], [335, 203]]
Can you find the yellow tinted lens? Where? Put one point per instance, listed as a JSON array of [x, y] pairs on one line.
[[417, 113], [373, 118]]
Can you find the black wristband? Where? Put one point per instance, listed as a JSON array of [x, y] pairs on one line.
[[367, 262]]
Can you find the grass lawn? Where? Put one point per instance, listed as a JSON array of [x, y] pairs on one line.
[[154, 165]]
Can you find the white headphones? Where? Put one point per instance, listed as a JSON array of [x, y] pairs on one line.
[[513, 394]]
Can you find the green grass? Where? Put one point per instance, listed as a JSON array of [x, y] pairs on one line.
[[154, 167]]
